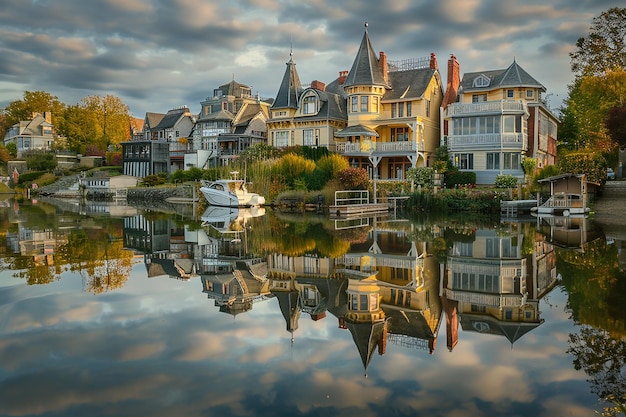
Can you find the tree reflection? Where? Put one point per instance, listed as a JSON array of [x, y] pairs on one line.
[[602, 357]]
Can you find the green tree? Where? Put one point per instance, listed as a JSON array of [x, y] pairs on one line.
[[616, 124], [587, 108], [78, 127], [604, 49], [110, 118]]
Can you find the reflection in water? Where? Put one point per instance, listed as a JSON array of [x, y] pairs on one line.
[[388, 284]]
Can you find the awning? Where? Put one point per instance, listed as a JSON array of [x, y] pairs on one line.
[[357, 130]]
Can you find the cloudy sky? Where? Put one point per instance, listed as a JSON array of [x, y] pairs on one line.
[[160, 54]]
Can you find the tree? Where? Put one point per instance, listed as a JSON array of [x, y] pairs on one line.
[[591, 97], [33, 102], [616, 124], [110, 118], [78, 127], [605, 47]]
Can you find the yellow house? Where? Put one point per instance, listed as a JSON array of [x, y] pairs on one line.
[[305, 116], [393, 113]]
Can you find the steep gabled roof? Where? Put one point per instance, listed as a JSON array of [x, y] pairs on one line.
[[171, 118], [513, 76], [153, 119], [409, 84], [365, 68], [290, 88]]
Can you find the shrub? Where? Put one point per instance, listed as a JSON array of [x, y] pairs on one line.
[[353, 179], [152, 180], [424, 176], [506, 181], [28, 177], [454, 179], [291, 167], [40, 161]]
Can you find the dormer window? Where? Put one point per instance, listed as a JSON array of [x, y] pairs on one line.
[[309, 104], [481, 81]]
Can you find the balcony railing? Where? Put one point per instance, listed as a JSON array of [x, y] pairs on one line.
[[369, 147], [489, 300], [515, 140], [501, 106]]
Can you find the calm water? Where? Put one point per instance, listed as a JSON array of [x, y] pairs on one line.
[[115, 311]]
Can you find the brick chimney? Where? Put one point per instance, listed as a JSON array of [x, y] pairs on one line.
[[433, 61], [453, 83], [382, 62], [318, 85], [342, 77]]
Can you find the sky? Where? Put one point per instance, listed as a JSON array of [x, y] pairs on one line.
[[156, 55]]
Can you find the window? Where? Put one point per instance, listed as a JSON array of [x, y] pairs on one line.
[[530, 94], [364, 104], [464, 160], [399, 134], [308, 105], [177, 133], [493, 160], [354, 104], [512, 124], [427, 108], [394, 110], [308, 138], [375, 101], [408, 109], [478, 98], [511, 160], [281, 139], [400, 109], [510, 94], [481, 81]]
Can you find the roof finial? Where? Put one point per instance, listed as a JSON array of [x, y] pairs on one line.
[[291, 47], [366, 25]]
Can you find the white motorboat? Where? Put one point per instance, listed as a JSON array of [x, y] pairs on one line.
[[230, 193]]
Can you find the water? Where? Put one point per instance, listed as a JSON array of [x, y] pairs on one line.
[[117, 311]]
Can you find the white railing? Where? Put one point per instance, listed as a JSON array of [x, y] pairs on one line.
[[371, 147], [489, 300], [456, 109], [492, 139]]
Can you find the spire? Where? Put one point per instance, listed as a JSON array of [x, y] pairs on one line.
[[366, 68], [290, 87]]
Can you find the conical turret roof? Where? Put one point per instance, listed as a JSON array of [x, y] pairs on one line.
[[290, 88], [365, 68]]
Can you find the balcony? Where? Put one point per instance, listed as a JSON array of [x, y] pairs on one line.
[[369, 147], [488, 141], [486, 107], [487, 300]]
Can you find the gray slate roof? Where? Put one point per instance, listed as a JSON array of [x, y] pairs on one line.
[[409, 84], [513, 76], [333, 106], [170, 119], [290, 88], [365, 68]]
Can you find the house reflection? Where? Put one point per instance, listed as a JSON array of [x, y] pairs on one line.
[[492, 286]]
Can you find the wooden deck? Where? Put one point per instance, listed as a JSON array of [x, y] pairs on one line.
[[515, 207], [354, 210]]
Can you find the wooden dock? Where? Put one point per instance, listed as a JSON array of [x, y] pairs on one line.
[[514, 207], [354, 210], [355, 203]]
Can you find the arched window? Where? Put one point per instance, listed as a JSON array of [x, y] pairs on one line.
[[481, 81]]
